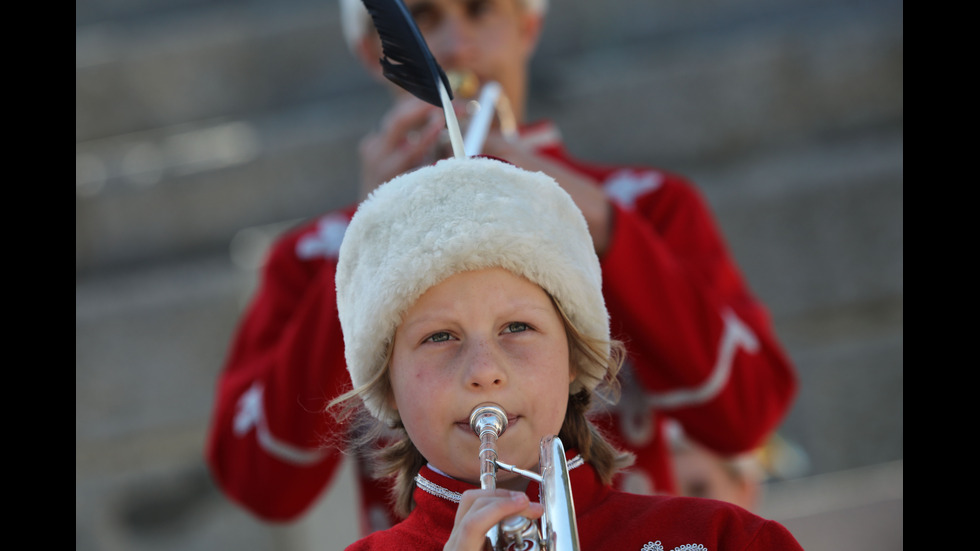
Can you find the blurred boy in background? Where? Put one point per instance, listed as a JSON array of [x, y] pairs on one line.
[[701, 347]]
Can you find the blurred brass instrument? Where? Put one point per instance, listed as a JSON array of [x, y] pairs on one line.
[[486, 103], [558, 530]]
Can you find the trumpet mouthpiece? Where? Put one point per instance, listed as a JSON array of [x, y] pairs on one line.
[[488, 417], [463, 83]]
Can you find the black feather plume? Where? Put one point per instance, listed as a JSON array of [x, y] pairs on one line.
[[407, 60]]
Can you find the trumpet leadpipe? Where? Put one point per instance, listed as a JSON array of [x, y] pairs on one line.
[[488, 421]]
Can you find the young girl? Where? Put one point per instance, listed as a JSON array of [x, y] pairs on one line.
[[474, 281]]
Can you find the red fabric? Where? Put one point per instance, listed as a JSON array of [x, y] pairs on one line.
[[606, 519], [669, 282], [290, 343]]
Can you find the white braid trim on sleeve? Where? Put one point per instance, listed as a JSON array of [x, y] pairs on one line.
[[251, 413], [736, 335]]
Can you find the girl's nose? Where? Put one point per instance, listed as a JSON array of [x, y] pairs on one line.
[[484, 366]]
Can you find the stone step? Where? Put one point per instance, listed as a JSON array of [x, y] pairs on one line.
[[181, 188], [138, 69]]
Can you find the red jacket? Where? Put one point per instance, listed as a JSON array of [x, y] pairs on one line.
[[702, 349], [605, 518]]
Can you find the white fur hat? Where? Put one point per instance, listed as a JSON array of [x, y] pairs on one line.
[[458, 215], [355, 20]]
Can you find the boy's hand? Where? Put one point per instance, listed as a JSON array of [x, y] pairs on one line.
[[403, 140]]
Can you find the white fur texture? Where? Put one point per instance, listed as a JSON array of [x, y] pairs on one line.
[[458, 215]]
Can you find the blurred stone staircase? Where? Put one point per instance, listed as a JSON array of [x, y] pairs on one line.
[[204, 128]]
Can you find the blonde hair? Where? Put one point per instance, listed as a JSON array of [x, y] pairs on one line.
[[393, 453]]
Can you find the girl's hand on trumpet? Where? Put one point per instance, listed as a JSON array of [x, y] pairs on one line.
[[481, 510]]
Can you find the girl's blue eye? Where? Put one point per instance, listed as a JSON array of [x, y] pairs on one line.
[[441, 336], [516, 327]]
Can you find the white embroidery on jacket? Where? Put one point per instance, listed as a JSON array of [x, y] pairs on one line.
[[657, 546], [326, 241], [624, 186]]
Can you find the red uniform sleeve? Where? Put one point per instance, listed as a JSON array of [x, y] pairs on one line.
[[701, 345], [773, 535], [271, 446]]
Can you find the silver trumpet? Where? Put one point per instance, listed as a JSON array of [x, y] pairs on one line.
[[558, 530]]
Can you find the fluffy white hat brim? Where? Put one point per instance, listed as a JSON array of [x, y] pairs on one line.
[[458, 215]]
